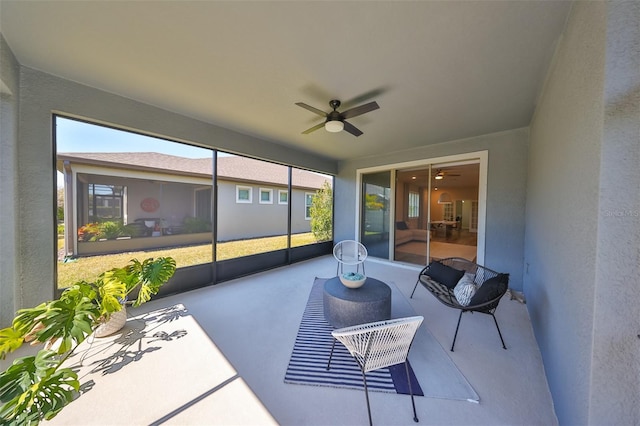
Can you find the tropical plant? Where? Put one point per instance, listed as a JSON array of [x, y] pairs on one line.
[[321, 212], [193, 225], [36, 387], [110, 230], [89, 232]]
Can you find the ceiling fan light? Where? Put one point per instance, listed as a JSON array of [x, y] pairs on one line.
[[439, 176], [334, 126]]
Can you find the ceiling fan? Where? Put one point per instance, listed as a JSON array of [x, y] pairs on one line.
[[335, 121], [440, 174]]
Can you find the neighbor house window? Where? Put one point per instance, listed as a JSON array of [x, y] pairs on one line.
[[414, 204], [283, 197], [243, 194], [105, 202], [308, 200], [266, 196]]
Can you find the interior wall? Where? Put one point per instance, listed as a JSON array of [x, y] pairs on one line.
[[583, 238], [468, 193], [41, 95], [10, 295], [506, 187]]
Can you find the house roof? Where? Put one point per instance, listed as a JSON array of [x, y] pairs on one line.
[[229, 167]]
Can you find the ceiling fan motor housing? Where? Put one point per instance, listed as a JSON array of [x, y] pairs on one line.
[[334, 116]]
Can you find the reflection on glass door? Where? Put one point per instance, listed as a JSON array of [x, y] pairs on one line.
[[412, 215], [454, 190], [436, 212], [374, 225]]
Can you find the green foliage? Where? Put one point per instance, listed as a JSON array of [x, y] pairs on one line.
[[37, 388], [193, 225], [147, 276], [89, 232], [111, 230], [321, 212], [372, 202]]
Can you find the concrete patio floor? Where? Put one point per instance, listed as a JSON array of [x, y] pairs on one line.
[[218, 355]]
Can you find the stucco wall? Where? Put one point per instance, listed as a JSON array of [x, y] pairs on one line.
[[615, 377], [581, 257], [42, 94], [244, 220], [10, 293], [506, 187]]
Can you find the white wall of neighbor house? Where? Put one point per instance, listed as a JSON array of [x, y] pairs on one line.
[[249, 220], [28, 259], [582, 241], [10, 291], [506, 187]]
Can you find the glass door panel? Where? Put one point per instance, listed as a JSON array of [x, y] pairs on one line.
[[374, 225], [454, 190], [412, 215]]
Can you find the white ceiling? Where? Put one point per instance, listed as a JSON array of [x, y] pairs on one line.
[[439, 70]]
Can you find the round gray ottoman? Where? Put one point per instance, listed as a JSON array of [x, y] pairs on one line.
[[344, 307]]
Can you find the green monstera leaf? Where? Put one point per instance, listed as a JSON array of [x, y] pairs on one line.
[[34, 388], [152, 274], [10, 340], [67, 320]]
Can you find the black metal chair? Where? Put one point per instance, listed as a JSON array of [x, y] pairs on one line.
[[485, 300]]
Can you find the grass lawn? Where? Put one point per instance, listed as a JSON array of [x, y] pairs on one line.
[[88, 268]]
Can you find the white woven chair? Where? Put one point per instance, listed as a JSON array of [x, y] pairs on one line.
[[378, 345], [349, 252]]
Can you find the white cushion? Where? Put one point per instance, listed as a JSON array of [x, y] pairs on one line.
[[465, 289]]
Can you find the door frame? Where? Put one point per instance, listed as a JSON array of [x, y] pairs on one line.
[[482, 157]]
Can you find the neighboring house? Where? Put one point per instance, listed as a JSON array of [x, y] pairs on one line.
[[157, 192]]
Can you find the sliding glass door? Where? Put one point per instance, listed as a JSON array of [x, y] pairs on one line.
[[436, 210], [375, 213]]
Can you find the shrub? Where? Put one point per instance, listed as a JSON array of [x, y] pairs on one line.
[[89, 232], [322, 213], [110, 230], [193, 225]]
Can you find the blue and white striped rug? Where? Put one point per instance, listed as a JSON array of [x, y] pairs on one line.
[[311, 351]]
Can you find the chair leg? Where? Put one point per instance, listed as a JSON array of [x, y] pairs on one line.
[[366, 393], [331, 354], [413, 403], [457, 327], [414, 289], [500, 334]]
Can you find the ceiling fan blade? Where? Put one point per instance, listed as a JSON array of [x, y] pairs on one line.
[[314, 128], [371, 94], [312, 109], [352, 129], [359, 110]]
